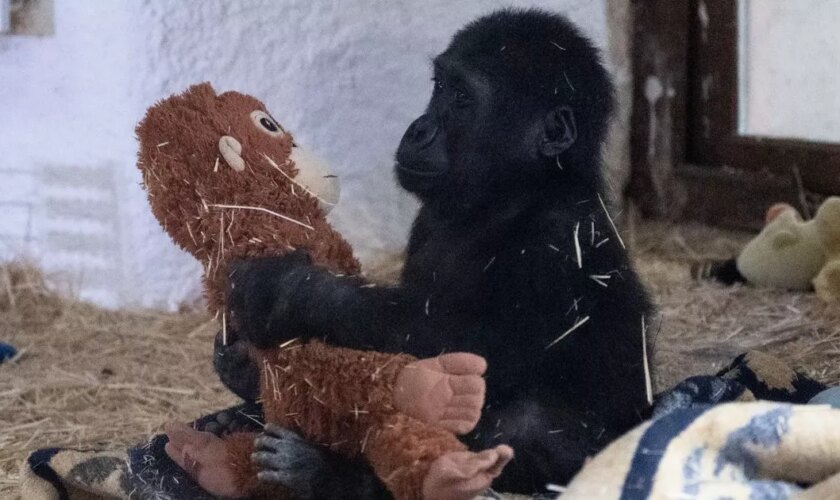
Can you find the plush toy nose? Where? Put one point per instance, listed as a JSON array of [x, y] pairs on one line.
[[231, 151]]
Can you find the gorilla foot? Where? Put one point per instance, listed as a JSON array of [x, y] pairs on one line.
[[203, 456], [447, 390], [285, 458], [463, 475]]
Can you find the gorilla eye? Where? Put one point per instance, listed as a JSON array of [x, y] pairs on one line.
[[438, 83], [461, 98], [266, 123]]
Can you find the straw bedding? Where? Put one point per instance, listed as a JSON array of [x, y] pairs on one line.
[[86, 377]]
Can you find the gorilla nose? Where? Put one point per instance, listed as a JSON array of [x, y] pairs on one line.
[[422, 131]]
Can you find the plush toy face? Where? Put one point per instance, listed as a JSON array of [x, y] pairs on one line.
[[227, 181], [205, 157], [788, 252]]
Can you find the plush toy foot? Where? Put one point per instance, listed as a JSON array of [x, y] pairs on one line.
[[204, 457], [463, 475], [447, 390], [827, 283]]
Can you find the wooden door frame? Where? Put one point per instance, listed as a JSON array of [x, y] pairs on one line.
[[688, 160]]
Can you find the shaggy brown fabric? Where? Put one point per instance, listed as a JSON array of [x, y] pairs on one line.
[[187, 180], [238, 445], [353, 411], [340, 397]]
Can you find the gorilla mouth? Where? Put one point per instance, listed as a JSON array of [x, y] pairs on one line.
[[419, 173]]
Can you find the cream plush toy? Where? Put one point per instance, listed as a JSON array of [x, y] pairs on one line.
[[827, 282], [740, 451], [796, 254]]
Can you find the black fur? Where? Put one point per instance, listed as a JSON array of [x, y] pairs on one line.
[[724, 271], [506, 162], [314, 472], [233, 364]]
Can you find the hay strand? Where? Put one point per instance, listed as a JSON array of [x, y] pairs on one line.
[[609, 218], [565, 334], [263, 210], [646, 365], [87, 377]]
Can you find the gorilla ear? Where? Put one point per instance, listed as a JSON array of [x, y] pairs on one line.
[[560, 131]]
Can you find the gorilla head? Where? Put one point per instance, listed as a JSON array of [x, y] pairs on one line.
[[520, 100]]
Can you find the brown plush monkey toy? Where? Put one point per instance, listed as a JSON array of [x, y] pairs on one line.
[[226, 181]]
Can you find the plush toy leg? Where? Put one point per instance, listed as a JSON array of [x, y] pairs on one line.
[[447, 390], [205, 457], [463, 475], [827, 283], [222, 466], [422, 462]]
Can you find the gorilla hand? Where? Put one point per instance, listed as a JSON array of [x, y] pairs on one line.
[[310, 471], [234, 366], [260, 296]]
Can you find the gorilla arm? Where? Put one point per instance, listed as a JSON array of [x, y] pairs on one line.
[[273, 301], [532, 295]]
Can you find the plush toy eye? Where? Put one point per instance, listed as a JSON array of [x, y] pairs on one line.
[[267, 124]]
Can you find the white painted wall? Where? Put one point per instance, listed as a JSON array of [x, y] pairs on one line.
[[790, 68], [345, 76]]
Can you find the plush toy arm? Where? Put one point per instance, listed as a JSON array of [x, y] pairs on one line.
[[274, 300], [827, 283]]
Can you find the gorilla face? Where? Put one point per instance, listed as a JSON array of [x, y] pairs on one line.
[[504, 113], [437, 142]]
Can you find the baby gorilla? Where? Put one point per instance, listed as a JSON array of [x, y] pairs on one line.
[[513, 255]]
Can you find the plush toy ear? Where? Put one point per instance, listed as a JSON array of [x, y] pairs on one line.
[[775, 211], [203, 90], [783, 238], [199, 97], [827, 283]]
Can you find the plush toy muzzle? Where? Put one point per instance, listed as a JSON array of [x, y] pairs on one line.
[[313, 175]]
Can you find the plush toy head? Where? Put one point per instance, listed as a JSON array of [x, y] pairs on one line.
[[786, 254], [226, 180], [789, 252]]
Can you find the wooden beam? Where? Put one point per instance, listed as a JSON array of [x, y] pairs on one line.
[[658, 119]]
